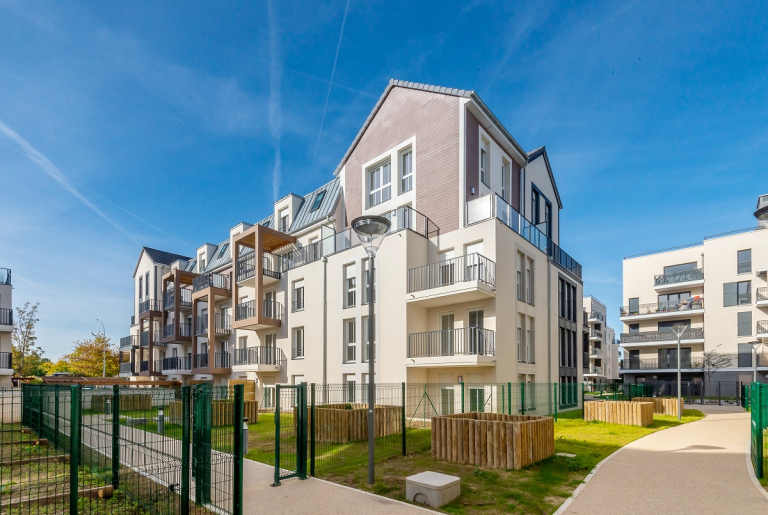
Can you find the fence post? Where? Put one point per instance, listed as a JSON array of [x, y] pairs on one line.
[[302, 466], [555, 398], [522, 396], [74, 447], [56, 417], [582, 400], [402, 415], [719, 399], [277, 436], [509, 397], [185, 445], [312, 431], [462, 396], [115, 437], [237, 476]]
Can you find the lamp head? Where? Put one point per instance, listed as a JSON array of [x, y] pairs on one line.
[[679, 329], [371, 231]]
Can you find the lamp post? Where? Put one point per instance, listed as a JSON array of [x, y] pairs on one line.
[[754, 345], [371, 231], [104, 337], [679, 329]]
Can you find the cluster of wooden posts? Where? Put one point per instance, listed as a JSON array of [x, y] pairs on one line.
[[222, 412], [661, 405], [342, 423], [628, 413], [493, 440]]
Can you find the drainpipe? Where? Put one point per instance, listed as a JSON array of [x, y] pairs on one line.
[[325, 323], [549, 319]]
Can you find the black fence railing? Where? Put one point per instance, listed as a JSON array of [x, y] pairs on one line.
[[686, 363], [245, 267], [6, 316], [221, 360], [126, 367], [467, 341], [201, 325], [6, 360], [177, 363], [245, 310], [695, 333], [260, 356], [149, 305], [185, 301], [144, 338], [223, 323], [679, 277], [211, 280], [471, 267], [663, 307], [271, 265], [297, 305]]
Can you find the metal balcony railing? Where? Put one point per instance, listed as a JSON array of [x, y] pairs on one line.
[[467, 341], [246, 267], [260, 356], [223, 323], [211, 280], [594, 369], [168, 330], [201, 360], [405, 217], [6, 316], [128, 342], [761, 327], [687, 363], [597, 315], [144, 338], [126, 368], [245, 310], [744, 267], [201, 325], [761, 294], [149, 305], [663, 307], [596, 333], [177, 363], [595, 351], [6, 360], [185, 330], [679, 277], [169, 298], [271, 265], [272, 309], [695, 333], [144, 367], [297, 305], [470, 267], [5, 276], [221, 360]]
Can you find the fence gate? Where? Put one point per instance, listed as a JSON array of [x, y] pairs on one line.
[[290, 432], [759, 422]]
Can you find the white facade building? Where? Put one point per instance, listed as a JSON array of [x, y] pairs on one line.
[[601, 353], [6, 327]]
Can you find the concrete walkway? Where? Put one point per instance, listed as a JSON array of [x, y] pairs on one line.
[[697, 468]]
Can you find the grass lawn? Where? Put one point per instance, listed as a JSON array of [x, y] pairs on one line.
[[539, 489]]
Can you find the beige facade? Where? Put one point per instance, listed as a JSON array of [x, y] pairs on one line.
[[716, 288], [601, 353], [466, 287], [6, 327]]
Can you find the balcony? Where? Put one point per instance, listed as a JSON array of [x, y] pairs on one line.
[[6, 360], [596, 317], [220, 360], [466, 278], [176, 364], [681, 279], [691, 335], [5, 276], [594, 370], [144, 366], [222, 324], [493, 206], [246, 316], [201, 325], [595, 352], [148, 305], [693, 306], [272, 267], [6, 317], [144, 338], [761, 330], [128, 342], [211, 280], [468, 346], [185, 331], [761, 297], [596, 335], [405, 217], [126, 369], [260, 359], [687, 363], [169, 298]]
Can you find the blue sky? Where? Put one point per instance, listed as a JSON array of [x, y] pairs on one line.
[[116, 117]]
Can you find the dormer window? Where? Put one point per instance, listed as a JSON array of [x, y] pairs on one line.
[[283, 220], [318, 201], [379, 184], [201, 263]]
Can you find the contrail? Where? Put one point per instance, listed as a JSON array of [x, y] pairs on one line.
[[275, 110], [330, 84], [52, 170]]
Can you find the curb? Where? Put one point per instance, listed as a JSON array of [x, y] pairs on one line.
[[751, 472]]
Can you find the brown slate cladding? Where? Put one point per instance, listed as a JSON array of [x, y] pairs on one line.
[[434, 119]]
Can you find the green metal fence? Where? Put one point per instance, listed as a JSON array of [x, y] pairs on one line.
[[758, 404], [122, 449]]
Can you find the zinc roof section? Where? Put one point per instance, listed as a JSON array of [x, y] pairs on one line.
[[163, 257], [306, 217]]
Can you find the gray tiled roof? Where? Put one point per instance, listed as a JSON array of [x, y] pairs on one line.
[[306, 217], [162, 257]]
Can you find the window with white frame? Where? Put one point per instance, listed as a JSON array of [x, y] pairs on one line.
[[367, 282], [349, 387], [282, 217], [484, 162], [520, 286], [298, 295], [506, 191], [366, 346], [530, 342], [520, 332], [350, 283], [529, 281], [298, 343], [379, 183], [406, 167], [350, 338]]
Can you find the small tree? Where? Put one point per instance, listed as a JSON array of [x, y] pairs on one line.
[[26, 353], [87, 358], [712, 362]]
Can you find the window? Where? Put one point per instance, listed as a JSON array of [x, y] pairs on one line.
[[349, 341], [535, 205], [367, 281], [349, 285], [201, 263], [736, 294], [223, 249], [146, 282], [298, 295], [366, 347], [269, 396], [744, 259], [744, 323], [141, 288], [684, 267], [379, 184], [548, 218], [529, 281], [562, 341], [242, 342], [530, 342], [634, 306], [673, 300], [349, 388], [634, 328], [318, 201], [506, 192], [484, 162], [298, 343], [520, 285], [282, 216], [406, 160], [745, 355], [667, 325], [520, 332]]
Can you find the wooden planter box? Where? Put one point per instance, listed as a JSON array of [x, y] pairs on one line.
[[128, 402], [222, 412], [661, 405], [343, 423], [627, 413], [492, 440]]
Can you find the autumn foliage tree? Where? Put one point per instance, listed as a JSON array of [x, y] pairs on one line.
[[27, 355], [87, 358]]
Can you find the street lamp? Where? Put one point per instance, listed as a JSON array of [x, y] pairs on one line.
[[371, 231], [104, 337], [754, 345], [679, 329]]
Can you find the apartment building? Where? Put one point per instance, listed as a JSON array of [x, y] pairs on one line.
[[601, 353], [717, 288], [6, 327], [470, 283]]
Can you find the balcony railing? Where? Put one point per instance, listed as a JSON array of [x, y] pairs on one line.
[[596, 351], [201, 360], [468, 341], [471, 267], [405, 217], [201, 325], [761, 327], [297, 305], [260, 356], [493, 206], [169, 298], [761, 294], [272, 266], [270, 309], [128, 342], [144, 338], [246, 267], [695, 333], [663, 307], [744, 267], [679, 277], [223, 323], [210, 280], [6, 316], [126, 368], [6, 360], [144, 367], [149, 305], [596, 333], [220, 360], [185, 330], [661, 364], [5, 276], [597, 315], [177, 363], [245, 310]]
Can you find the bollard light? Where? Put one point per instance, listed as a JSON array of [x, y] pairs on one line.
[[245, 435], [160, 421]]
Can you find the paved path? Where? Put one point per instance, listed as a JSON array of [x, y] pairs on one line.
[[697, 468]]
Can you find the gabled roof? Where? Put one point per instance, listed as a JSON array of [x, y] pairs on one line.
[[159, 257], [432, 89], [542, 152]]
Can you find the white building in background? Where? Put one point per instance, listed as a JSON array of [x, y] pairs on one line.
[[470, 285], [6, 327], [717, 288], [601, 353]]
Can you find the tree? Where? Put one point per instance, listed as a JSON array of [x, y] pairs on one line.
[[712, 362], [87, 358], [26, 353]]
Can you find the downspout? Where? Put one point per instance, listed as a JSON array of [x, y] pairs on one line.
[[549, 319], [325, 322]]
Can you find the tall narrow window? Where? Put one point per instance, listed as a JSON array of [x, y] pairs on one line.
[[366, 346], [744, 258], [520, 285], [298, 296], [379, 184], [298, 343], [744, 320], [349, 285], [530, 349], [350, 341], [520, 332], [146, 282], [282, 217], [367, 282], [548, 219], [506, 191], [529, 281], [406, 160], [141, 288]]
